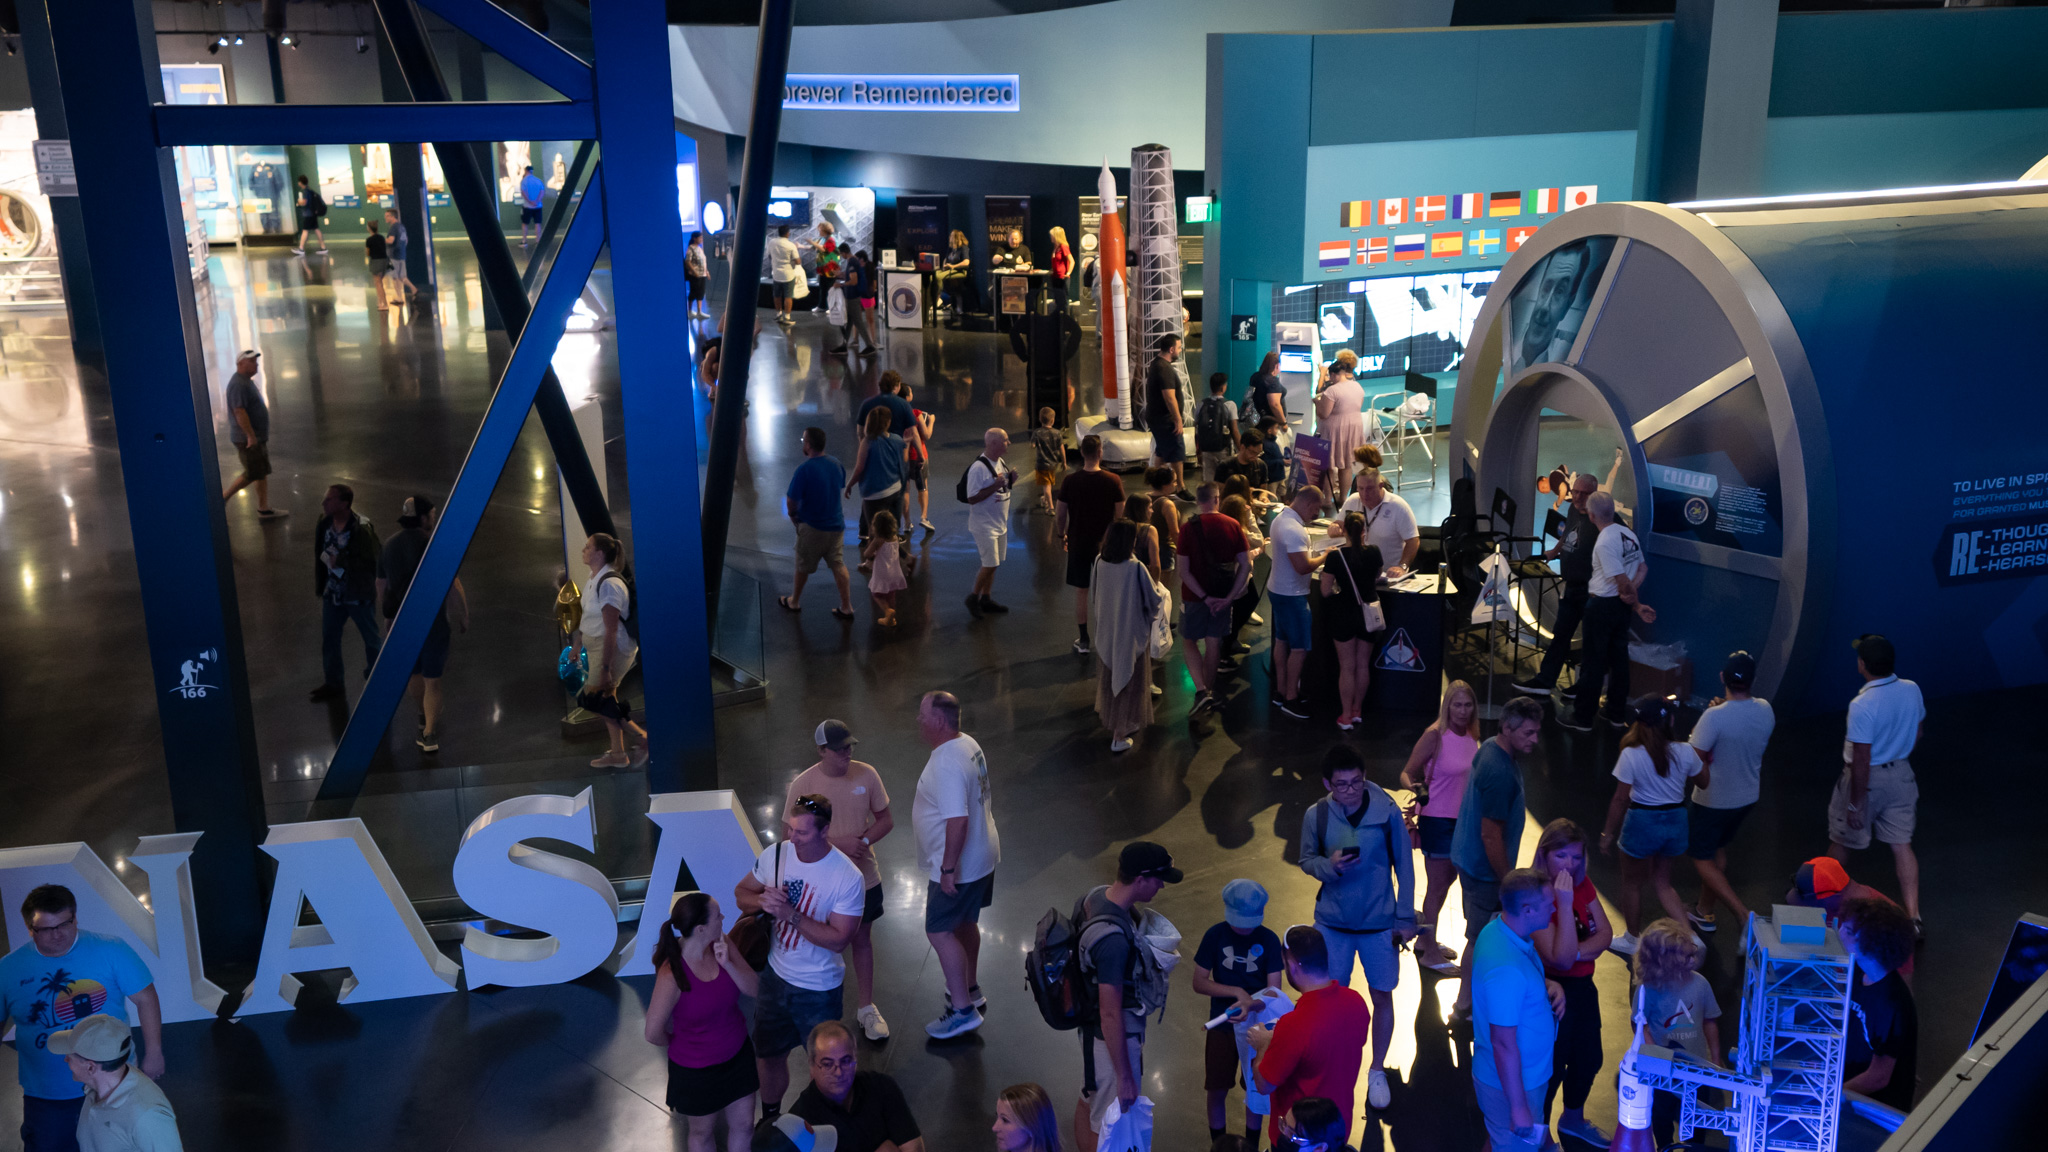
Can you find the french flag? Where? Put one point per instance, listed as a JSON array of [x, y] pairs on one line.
[[1468, 206]]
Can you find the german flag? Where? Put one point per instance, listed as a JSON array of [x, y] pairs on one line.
[[1504, 204]]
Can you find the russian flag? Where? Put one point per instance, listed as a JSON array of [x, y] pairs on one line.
[[1483, 241], [1581, 195], [1517, 237], [1334, 253], [1468, 206], [1428, 208], [1445, 244], [1354, 214], [1504, 204], [1394, 210], [1412, 247], [1373, 250], [1542, 201]]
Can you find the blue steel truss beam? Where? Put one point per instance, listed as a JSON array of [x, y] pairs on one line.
[[180, 125], [585, 151], [542, 58], [464, 510], [636, 125]]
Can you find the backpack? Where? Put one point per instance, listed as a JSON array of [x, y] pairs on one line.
[[315, 204], [1212, 425], [960, 489], [1052, 969], [631, 624]]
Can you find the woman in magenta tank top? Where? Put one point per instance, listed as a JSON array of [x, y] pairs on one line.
[[1437, 770], [694, 1013]]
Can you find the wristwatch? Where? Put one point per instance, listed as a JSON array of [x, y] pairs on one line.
[[868, 842]]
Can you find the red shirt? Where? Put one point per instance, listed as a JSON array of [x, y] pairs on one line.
[[1584, 897], [1316, 1051]]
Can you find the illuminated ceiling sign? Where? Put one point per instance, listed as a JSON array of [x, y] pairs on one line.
[[901, 93]]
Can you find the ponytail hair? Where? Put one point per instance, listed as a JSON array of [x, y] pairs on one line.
[[691, 911]]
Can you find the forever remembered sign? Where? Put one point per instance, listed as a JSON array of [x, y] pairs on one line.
[[367, 925], [901, 93]]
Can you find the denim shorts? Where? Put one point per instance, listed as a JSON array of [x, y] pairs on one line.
[[784, 1014], [1435, 832], [1647, 832], [1291, 625]]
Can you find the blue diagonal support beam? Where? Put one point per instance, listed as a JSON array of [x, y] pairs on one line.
[[464, 509], [178, 125], [585, 153], [508, 36]]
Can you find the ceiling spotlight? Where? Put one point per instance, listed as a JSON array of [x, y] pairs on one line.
[[238, 41], [287, 41], [362, 45]]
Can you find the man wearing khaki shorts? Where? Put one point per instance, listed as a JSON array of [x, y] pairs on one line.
[[1877, 791], [813, 505]]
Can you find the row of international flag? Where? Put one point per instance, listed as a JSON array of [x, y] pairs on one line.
[[1416, 246], [1397, 210]]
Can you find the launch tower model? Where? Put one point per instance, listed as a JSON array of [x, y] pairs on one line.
[[1156, 238], [1787, 1079]]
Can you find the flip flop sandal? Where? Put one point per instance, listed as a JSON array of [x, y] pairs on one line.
[[842, 615], [784, 601]]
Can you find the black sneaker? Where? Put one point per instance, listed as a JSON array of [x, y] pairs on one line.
[[989, 605], [324, 692], [1532, 687], [1617, 722], [1080, 647], [1295, 708], [428, 742], [974, 606], [1203, 702], [1572, 721], [1566, 692]]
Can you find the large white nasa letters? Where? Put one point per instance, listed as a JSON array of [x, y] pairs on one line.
[[505, 880], [165, 935], [707, 831], [366, 923]]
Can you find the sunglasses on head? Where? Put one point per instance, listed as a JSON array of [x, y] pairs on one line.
[[811, 804]]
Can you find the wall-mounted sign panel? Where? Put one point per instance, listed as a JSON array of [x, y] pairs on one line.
[[901, 93]]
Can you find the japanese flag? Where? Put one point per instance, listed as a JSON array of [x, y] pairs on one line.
[[1581, 196]]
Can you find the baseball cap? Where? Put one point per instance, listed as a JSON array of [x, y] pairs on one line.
[[415, 507], [1142, 859], [1244, 904], [248, 354], [1875, 649], [787, 1133], [1820, 878], [834, 734], [1653, 710], [1740, 668], [97, 1037]]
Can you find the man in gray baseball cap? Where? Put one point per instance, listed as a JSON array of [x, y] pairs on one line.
[[124, 1109]]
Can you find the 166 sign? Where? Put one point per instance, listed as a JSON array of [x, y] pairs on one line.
[[368, 926]]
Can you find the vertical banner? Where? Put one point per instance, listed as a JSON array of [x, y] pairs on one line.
[[1005, 213], [922, 224]]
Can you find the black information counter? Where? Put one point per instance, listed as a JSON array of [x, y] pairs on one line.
[[1407, 666]]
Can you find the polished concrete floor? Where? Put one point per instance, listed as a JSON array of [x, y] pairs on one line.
[[387, 402]]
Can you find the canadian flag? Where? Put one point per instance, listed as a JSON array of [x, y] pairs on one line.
[[1394, 210], [1581, 196]]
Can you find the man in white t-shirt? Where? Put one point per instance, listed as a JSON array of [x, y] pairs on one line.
[[1389, 523], [785, 270], [1730, 739], [959, 849], [1618, 568], [989, 481], [1877, 790], [1287, 597], [816, 896]]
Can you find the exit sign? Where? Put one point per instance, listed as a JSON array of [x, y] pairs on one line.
[[1201, 209]]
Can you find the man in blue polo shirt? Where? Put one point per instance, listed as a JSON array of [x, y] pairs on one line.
[[813, 505], [1514, 1015], [60, 977]]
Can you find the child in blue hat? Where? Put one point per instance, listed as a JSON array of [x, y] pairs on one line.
[[1238, 958]]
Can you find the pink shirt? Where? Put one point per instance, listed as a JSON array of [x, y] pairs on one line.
[[1446, 774], [706, 1028]]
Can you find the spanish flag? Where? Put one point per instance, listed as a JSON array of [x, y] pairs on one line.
[[1354, 214], [1444, 244]]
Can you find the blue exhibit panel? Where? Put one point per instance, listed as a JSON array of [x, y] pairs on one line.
[[1726, 612], [1884, 308], [1450, 205]]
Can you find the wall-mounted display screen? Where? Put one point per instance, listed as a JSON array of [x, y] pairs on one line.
[[793, 210], [1395, 324], [1296, 358], [1550, 304]]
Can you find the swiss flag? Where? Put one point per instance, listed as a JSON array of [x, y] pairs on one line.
[[1517, 237]]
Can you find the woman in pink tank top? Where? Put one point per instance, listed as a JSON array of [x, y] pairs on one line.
[[1436, 771], [694, 1013]]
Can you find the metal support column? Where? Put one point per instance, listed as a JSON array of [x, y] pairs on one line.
[[638, 130], [105, 61], [409, 196], [750, 226], [469, 67], [65, 215], [1720, 94]]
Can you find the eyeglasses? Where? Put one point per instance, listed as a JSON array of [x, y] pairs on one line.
[[1341, 785], [48, 928]]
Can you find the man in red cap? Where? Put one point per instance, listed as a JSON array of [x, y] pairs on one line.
[[1823, 883]]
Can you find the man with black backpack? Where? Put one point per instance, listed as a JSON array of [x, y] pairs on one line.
[[1355, 842], [1215, 426], [1127, 981], [311, 208]]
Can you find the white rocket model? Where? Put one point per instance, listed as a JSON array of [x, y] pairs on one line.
[[1112, 310]]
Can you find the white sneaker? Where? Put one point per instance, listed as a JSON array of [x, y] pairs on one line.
[[1624, 945], [1584, 1130], [871, 1022], [1376, 1092], [1120, 744]]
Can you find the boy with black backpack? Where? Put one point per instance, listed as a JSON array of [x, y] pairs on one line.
[[311, 208], [1355, 842], [1215, 426], [1127, 980]]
